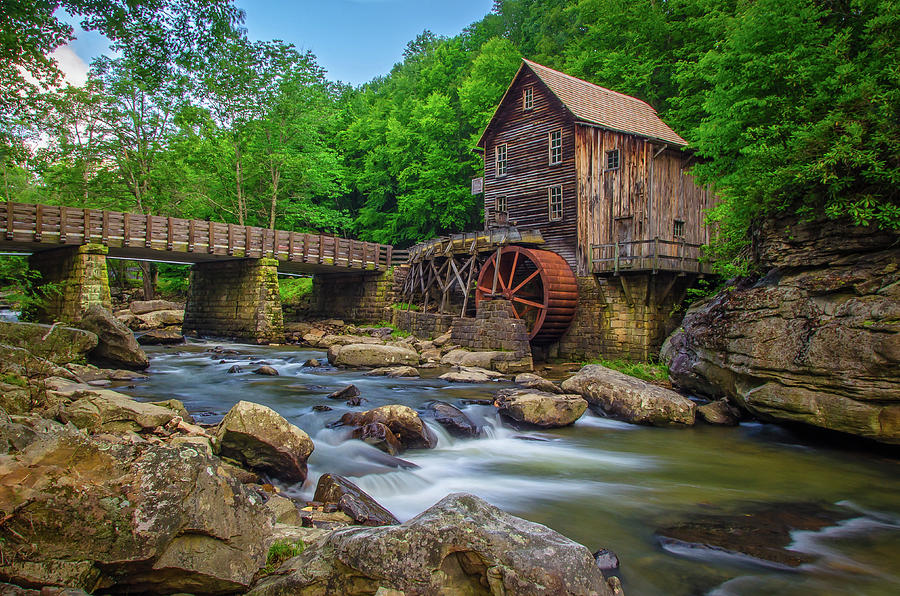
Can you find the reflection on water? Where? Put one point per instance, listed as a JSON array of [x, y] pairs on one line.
[[601, 482], [8, 315]]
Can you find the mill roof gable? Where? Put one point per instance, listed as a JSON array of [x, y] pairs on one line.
[[593, 104]]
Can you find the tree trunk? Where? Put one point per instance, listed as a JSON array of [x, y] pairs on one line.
[[149, 274], [276, 176], [239, 182]]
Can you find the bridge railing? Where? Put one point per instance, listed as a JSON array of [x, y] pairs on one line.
[[24, 224]]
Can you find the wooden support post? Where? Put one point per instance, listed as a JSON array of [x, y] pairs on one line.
[[496, 271], [86, 232], [38, 222], [276, 243], [616, 257], [104, 229], [230, 240], [126, 229], [291, 246], [148, 232], [62, 224], [9, 220], [305, 248], [321, 248], [655, 254], [389, 257], [471, 266], [191, 233], [170, 236], [212, 238], [248, 240]]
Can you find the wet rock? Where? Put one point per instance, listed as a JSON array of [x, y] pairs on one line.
[[347, 392], [117, 344], [461, 545], [327, 341], [96, 410], [258, 437], [394, 372], [176, 406], [161, 337], [378, 435], [606, 560], [759, 531], [504, 362], [266, 371], [142, 307], [284, 510], [719, 412], [372, 355], [630, 399], [322, 408], [312, 363], [129, 518], [465, 376], [56, 343], [403, 421], [353, 501], [538, 383], [234, 369], [545, 410], [815, 340], [452, 419], [161, 318]]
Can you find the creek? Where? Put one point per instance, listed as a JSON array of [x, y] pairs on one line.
[[603, 483]]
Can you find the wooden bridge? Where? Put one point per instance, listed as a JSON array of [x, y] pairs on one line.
[[35, 228]]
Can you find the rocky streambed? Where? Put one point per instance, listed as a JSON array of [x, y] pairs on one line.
[[115, 487]]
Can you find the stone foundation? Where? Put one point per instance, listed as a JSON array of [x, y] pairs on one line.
[[424, 325], [495, 327], [356, 297], [81, 279], [625, 317], [235, 299]]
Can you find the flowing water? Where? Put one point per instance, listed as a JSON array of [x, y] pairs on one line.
[[603, 483]]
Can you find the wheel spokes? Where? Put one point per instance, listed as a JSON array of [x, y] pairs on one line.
[[528, 302], [527, 279]]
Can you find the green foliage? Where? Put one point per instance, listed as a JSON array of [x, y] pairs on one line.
[[281, 551], [646, 371], [395, 333], [22, 286], [294, 289], [404, 306], [13, 379], [173, 280]]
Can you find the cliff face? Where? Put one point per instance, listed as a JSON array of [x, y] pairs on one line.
[[815, 340]]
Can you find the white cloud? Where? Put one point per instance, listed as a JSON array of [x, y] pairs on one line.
[[72, 66]]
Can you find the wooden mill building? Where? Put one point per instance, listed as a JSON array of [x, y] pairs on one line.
[[598, 172]]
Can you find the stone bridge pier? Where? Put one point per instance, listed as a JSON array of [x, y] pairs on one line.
[[73, 278], [237, 299]]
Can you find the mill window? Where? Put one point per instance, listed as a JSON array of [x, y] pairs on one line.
[[678, 228], [556, 203], [500, 205], [612, 159], [555, 147], [528, 98], [500, 154]]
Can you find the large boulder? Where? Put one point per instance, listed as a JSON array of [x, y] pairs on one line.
[[504, 362], [161, 337], [538, 408], [115, 517], [326, 341], [262, 440], [461, 545], [536, 382], [142, 307], [101, 409], [402, 421], [630, 399], [353, 501], [451, 418], [372, 355], [55, 343], [117, 345], [160, 318], [815, 339]]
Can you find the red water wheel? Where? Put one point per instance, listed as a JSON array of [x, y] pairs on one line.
[[539, 284]]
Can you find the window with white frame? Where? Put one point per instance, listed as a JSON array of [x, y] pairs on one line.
[[500, 160], [612, 159], [500, 205], [555, 147], [528, 98], [556, 202], [678, 228]]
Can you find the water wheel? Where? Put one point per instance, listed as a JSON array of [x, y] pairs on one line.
[[539, 284]]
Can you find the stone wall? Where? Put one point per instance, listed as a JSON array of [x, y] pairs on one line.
[[357, 297], [80, 279], [424, 325], [495, 327], [235, 299], [625, 317]]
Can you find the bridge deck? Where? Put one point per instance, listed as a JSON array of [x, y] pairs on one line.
[[34, 228]]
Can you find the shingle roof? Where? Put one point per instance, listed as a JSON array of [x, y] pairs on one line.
[[597, 105]]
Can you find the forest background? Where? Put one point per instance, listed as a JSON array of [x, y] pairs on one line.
[[793, 106]]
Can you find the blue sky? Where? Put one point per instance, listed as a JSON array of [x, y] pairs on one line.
[[354, 40]]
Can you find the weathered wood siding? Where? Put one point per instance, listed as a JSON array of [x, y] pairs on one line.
[[529, 173], [640, 200]]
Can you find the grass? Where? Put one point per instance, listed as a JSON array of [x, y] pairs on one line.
[[281, 551], [294, 289], [404, 306], [13, 379], [646, 371], [395, 333]]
